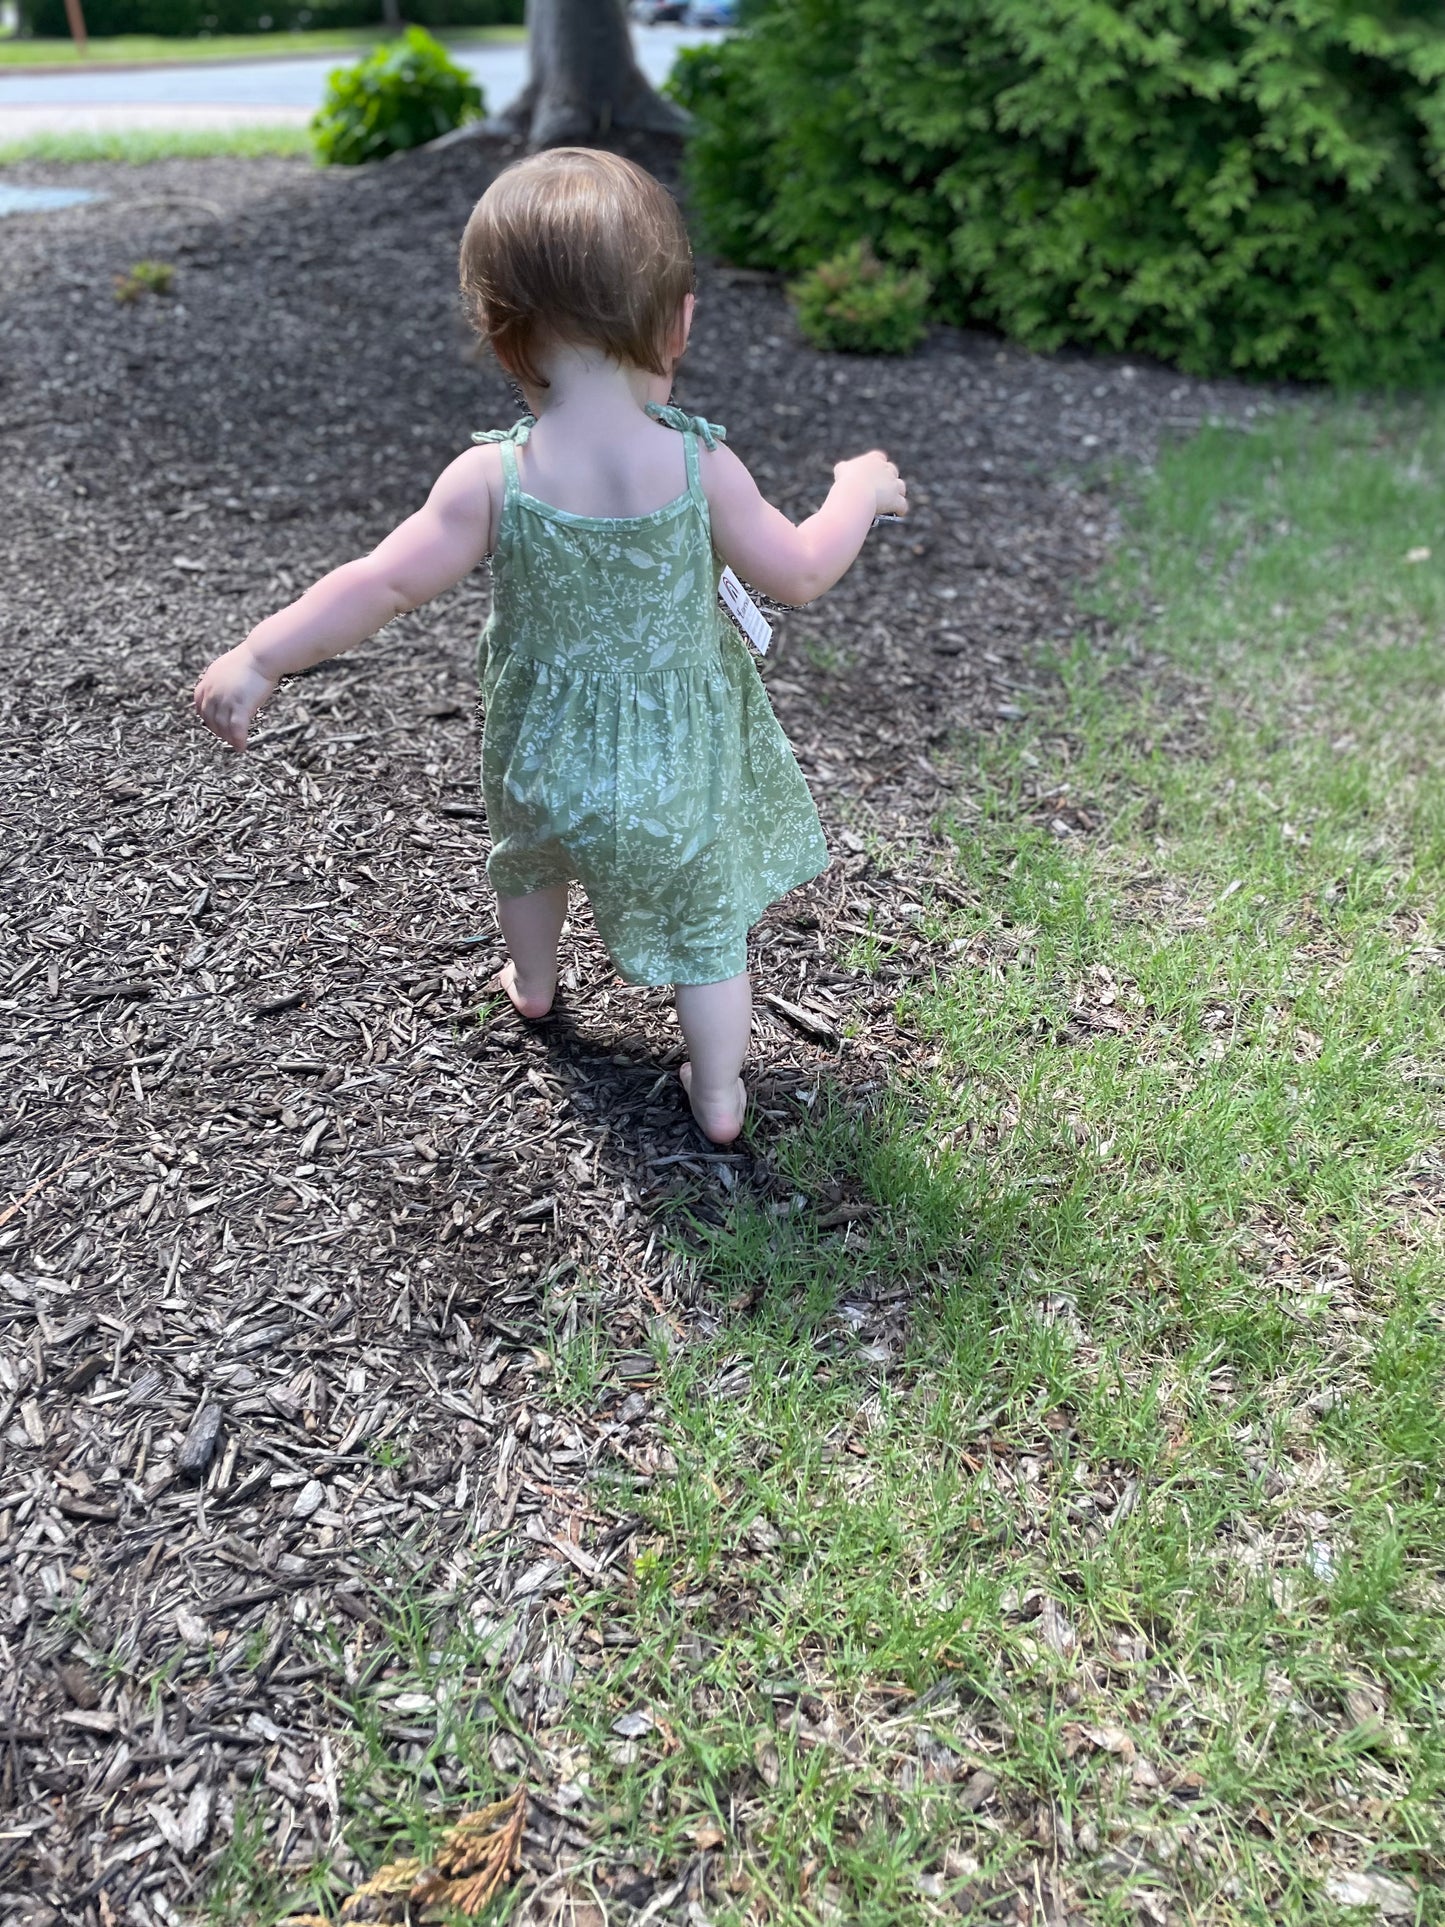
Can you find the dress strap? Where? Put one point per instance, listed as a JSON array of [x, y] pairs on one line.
[[511, 440], [711, 432], [512, 481], [517, 434], [694, 479]]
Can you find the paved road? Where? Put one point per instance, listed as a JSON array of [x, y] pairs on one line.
[[257, 92]]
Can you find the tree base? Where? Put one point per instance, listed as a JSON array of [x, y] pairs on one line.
[[585, 82], [557, 117]]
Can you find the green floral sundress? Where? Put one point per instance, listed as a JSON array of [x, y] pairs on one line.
[[628, 740]]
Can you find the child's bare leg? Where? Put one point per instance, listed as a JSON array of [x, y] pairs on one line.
[[716, 1022], [532, 929]]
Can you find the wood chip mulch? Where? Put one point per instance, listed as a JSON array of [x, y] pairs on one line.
[[286, 1230]]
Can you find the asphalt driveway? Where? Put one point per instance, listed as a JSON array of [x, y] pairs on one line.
[[226, 93]]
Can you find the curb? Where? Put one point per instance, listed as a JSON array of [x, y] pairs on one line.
[[92, 67]]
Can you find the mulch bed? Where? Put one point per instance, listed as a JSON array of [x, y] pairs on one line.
[[281, 1225]]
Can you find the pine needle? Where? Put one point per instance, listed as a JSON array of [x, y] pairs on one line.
[[474, 1860], [385, 1897]]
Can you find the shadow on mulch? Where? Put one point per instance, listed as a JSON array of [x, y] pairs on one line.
[[261, 1162]]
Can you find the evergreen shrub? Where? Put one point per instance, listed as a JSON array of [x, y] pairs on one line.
[[1252, 186], [858, 304], [729, 160], [405, 93]]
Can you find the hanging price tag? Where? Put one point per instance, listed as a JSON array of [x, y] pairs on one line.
[[745, 612]]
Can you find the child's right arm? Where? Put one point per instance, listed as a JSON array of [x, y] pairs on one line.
[[430, 551], [797, 563]]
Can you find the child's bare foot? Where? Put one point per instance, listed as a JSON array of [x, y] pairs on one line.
[[530, 1005], [720, 1120]]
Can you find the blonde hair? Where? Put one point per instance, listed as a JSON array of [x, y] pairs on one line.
[[581, 246]]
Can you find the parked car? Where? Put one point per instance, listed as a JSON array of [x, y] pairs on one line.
[[654, 13], [713, 13]]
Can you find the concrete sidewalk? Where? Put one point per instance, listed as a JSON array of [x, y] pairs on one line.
[[25, 123]]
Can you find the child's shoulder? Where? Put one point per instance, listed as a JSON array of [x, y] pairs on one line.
[[476, 471], [720, 471], [482, 459], [469, 492]]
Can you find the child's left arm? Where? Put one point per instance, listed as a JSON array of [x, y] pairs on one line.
[[430, 551], [798, 564]]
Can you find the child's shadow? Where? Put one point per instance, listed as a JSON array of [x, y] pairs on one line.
[[618, 1074]]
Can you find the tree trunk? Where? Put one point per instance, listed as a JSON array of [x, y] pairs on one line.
[[585, 79], [75, 20], [391, 16]]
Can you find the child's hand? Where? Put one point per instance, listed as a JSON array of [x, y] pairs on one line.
[[874, 470], [229, 694]]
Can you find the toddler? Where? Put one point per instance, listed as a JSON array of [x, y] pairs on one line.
[[628, 742]]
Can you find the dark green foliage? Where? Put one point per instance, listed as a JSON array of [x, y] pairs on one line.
[[729, 160], [46, 18], [405, 93], [858, 304], [1234, 185]]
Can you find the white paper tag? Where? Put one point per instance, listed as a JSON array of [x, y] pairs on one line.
[[745, 612]]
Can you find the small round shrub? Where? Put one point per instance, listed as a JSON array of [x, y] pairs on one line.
[[856, 304], [404, 94]]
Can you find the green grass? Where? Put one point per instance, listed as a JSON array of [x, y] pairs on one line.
[[147, 144], [1106, 1457], [163, 50]]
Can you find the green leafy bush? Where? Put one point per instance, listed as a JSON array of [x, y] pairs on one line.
[[103, 18], [1233, 185], [857, 304], [405, 93]]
